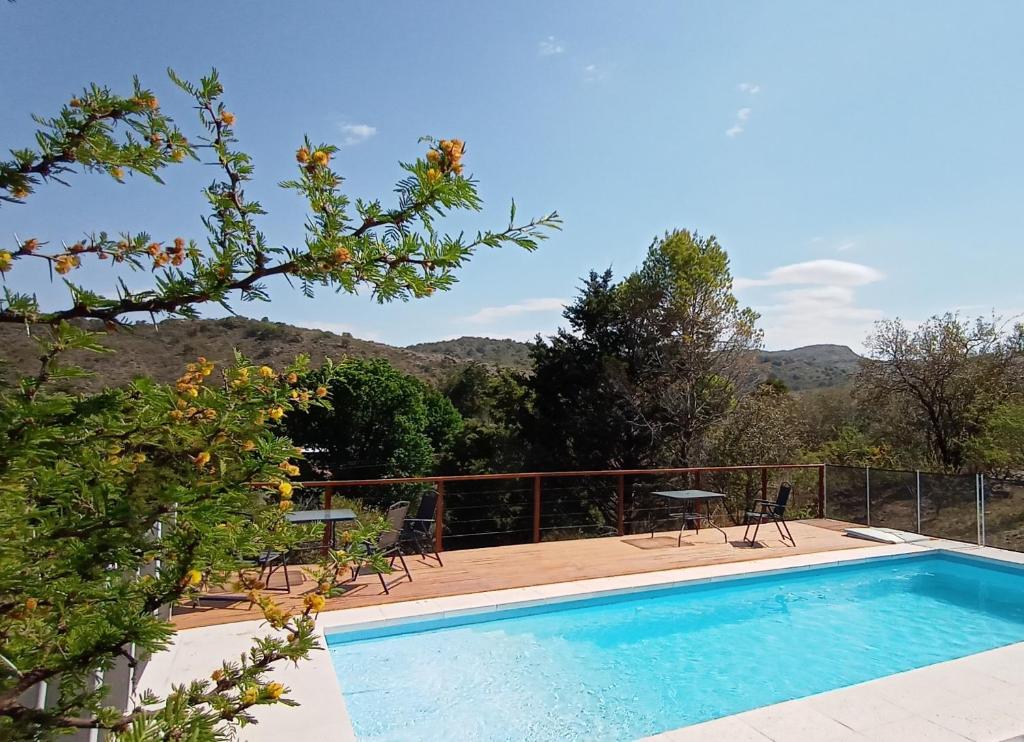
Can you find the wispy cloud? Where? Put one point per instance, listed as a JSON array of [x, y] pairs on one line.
[[357, 133], [847, 245], [593, 72], [491, 314], [550, 46], [815, 302], [749, 87], [742, 116], [832, 272]]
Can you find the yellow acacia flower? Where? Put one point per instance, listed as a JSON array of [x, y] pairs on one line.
[[284, 506], [293, 378], [194, 577], [31, 604], [315, 602], [153, 103], [276, 413], [217, 675], [302, 155], [249, 446], [20, 192], [202, 459], [433, 157], [228, 118], [250, 696], [267, 372], [30, 245], [321, 158], [275, 690], [433, 175], [342, 255], [178, 155], [285, 488], [139, 457], [6, 259], [117, 172], [65, 263], [321, 391]]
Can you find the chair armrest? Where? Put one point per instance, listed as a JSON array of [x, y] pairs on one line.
[[419, 520]]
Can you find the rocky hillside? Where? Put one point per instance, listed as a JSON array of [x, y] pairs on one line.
[[811, 367], [511, 353], [161, 351]]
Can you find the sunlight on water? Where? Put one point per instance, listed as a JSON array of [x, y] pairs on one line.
[[634, 667]]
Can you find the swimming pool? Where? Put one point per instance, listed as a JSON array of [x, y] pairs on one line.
[[626, 666]]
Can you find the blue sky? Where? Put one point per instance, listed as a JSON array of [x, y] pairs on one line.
[[857, 160]]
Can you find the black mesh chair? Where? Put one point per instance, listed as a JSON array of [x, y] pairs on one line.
[[773, 511], [418, 533], [388, 544]]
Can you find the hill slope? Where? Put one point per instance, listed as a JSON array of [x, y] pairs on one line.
[[810, 367], [161, 352], [511, 353]]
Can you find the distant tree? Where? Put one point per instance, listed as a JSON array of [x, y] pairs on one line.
[[945, 377], [764, 427], [492, 402], [383, 423], [647, 365], [998, 448], [851, 446]]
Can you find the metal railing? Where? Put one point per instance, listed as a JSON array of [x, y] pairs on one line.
[[974, 508], [523, 507]]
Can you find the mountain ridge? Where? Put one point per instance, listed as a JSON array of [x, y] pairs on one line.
[[162, 350]]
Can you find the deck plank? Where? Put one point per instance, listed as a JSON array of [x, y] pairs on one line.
[[503, 567]]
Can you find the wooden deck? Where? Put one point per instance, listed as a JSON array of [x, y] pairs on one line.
[[501, 567]]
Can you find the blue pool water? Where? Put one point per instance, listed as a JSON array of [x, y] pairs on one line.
[[632, 665]]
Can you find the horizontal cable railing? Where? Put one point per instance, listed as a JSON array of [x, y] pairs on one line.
[[476, 510]]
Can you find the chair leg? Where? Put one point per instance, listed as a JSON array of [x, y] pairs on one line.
[[383, 583], [746, 531], [404, 565], [757, 527], [287, 581], [790, 535]]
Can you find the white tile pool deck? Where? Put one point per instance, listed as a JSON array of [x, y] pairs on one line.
[[979, 697]]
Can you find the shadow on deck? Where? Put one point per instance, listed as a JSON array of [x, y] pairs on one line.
[[503, 567]]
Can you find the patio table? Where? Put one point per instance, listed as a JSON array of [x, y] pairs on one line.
[[698, 504], [329, 516]]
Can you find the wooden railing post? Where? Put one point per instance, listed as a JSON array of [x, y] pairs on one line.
[[536, 510], [620, 504], [439, 519], [696, 479], [329, 528], [764, 483], [821, 491]]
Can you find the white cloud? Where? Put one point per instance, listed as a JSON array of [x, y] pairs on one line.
[[815, 302], [491, 314], [593, 73], [357, 133], [550, 46], [749, 87], [831, 272], [846, 246], [736, 129]]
